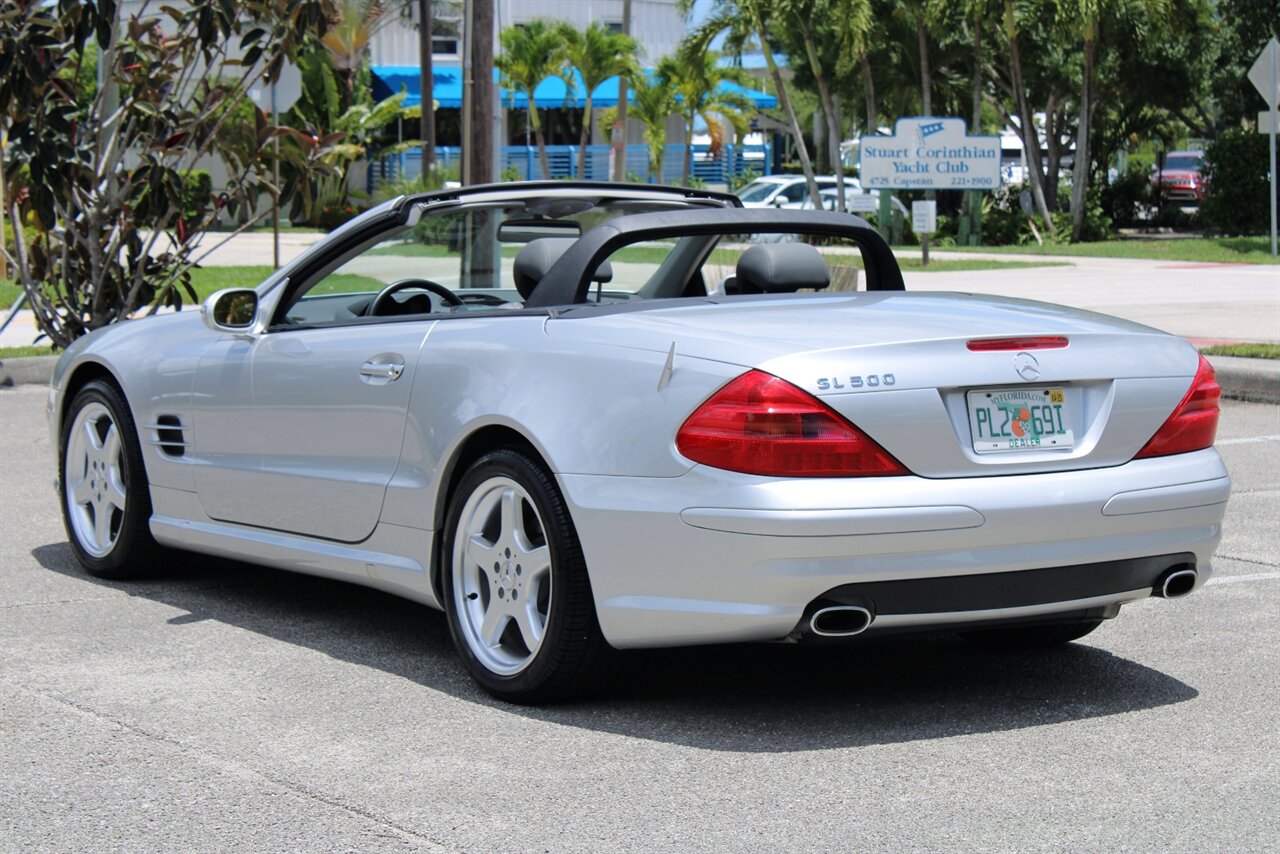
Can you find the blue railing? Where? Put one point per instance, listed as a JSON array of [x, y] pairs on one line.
[[732, 163]]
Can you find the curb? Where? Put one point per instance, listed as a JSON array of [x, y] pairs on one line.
[[28, 370], [1254, 380]]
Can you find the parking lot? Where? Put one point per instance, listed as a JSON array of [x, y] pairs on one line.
[[227, 707]]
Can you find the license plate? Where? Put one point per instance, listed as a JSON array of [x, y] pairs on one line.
[[1022, 419]]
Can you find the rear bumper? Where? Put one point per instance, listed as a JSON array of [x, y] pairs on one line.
[[713, 557]]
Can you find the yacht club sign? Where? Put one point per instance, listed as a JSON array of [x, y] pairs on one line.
[[929, 153]]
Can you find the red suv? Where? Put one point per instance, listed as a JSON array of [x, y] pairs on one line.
[[1181, 180]]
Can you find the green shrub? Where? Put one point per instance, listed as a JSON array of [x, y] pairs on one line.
[[1129, 197], [197, 194], [1238, 199], [332, 216], [1003, 222]]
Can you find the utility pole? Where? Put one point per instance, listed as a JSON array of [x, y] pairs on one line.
[[478, 94], [481, 259], [275, 181], [619, 134], [426, 86]]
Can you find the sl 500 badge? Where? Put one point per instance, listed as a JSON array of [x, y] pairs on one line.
[[865, 381]]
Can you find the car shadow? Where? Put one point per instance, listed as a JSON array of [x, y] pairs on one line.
[[757, 698]]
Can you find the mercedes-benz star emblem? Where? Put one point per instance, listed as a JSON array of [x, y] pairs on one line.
[[1026, 366]]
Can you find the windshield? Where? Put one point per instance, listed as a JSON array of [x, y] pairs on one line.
[[1183, 162], [757, 191]]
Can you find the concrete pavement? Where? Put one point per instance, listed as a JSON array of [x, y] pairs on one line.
[[226, 707]]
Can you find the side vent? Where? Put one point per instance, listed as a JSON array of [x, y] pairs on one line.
[[169, 435]]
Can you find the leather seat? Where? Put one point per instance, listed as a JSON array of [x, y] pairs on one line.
[[538, 256], [781, 268]]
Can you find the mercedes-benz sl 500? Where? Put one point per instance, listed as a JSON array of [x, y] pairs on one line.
[[585, 418]]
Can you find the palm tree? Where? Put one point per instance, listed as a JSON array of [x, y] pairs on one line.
[[742, 21], [598, 54], [850, 21], [347, 38], [698, 84], [1086, 15], [531, 53], [653, 99], [1026, 127]]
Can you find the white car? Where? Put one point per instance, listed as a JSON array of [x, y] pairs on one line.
[[523, 404], [775, 191]]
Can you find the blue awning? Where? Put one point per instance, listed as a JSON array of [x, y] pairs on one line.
[[551, 93]]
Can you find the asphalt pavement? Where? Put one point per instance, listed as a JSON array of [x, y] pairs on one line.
[[226, 707]]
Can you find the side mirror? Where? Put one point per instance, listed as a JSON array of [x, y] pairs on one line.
[[230, 310]]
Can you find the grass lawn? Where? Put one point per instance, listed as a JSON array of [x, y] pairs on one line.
[[29, 350], [1223, 250], [205, 280], [1248, 351]]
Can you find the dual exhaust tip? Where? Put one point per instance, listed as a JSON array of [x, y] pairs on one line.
[[1175, 583], [845, 621], [840, 621]]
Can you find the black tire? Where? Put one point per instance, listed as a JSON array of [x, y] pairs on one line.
[[121, 546], [1031, 637], [571, 657]]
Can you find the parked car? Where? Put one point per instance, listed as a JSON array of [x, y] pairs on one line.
[[1182, 178], [856, 200], [579, 421], [781, 190]]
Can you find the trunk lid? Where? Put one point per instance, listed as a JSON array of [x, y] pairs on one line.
[[898, 366]]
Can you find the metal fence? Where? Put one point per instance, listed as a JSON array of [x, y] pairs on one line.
[[733, 163]]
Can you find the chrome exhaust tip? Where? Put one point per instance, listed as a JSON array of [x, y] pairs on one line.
[[1176, 584], [840, 621]]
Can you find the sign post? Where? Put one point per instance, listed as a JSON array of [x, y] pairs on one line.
[[924, 221], [927, 153], [1265, 77]]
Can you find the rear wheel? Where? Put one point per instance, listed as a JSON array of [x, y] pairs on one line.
[[516, 588], [1023, 637], [106, 503]]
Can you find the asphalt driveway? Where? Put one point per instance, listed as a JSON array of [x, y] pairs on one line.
[[226, 707]]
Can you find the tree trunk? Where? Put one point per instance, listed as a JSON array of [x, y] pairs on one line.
[[537, 138], [926, 83], [1052, 153], [829, 113], [1026, 121], [781, 86], [584, 137], [478, 140], [688, 151], [1080, 171], [426, 88], [869, 88], [976, 84], [620, 123]]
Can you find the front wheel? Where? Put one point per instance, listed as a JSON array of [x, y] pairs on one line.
[[516, 589], [106, 503]]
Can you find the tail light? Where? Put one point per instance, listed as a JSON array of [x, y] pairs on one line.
[[760, 424], [1037, 342], [1194, 423]]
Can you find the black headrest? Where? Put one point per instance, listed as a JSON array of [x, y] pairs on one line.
[[781, 268], [537, 257]]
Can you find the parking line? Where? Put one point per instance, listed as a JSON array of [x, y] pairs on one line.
[[1237, 579], [1248, 441]]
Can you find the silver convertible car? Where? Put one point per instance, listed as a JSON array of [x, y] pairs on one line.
[[585, 418]]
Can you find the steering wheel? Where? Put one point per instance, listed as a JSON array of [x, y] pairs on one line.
[[384, 295]]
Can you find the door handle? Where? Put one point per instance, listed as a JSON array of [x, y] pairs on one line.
[[388, 371]]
